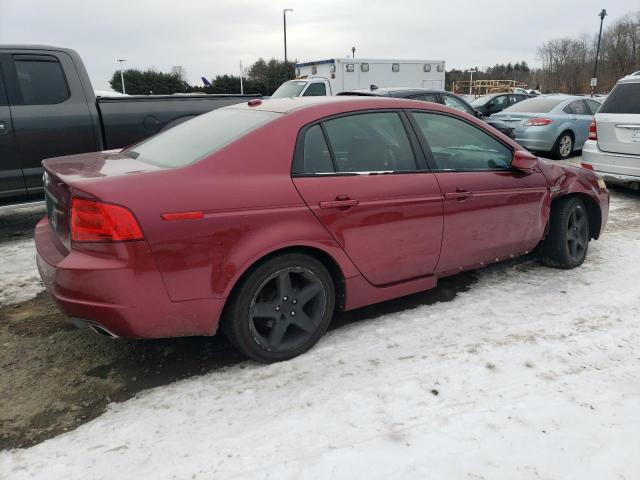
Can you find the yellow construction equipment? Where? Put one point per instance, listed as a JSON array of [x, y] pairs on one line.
[[483, 87]]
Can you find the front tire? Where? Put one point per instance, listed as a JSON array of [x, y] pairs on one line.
[[568, 238], [281, 309], [563, 146]]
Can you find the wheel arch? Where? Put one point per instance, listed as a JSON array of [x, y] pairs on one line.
[[330, 263], [593, 210]]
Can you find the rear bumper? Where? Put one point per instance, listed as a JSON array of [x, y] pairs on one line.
[[123, 293], [613, 167], [537, 139]]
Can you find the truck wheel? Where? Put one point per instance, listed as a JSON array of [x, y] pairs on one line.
[[563, 146], [281, 309], [568, 238]]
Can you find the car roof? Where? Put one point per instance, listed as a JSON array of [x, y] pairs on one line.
[[632, 78], [286, 105]]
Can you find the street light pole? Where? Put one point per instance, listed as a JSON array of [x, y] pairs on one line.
[[471, 70], [284, 21], [121, 60], [594, 80]]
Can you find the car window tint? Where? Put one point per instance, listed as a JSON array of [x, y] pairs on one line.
[[41, 82], [3, 93], [537, 104], [593, 106], [500, 101], [513, 99], [624, 98], [315, 90], [457, 145], [579, 108], [370, 142], [317, 158], [199, 137], [426, 97], [453, 102]]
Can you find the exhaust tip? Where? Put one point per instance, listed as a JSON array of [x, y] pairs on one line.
[[97, 328]]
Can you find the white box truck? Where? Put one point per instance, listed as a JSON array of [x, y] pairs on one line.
[[336, 75]]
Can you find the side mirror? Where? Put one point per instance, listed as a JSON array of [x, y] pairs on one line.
[[478, 114], [524, 161]]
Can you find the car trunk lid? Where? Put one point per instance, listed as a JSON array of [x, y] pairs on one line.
[[66, 177], [618, 132]]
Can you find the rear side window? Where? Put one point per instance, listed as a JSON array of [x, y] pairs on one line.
[[317, 158], [41, 80], [577, 108], [315, 90], [370, 142], [195, 139], [457, 145], [624, 98], [426, 97]]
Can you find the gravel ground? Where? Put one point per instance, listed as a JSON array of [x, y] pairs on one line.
[[54, 378]]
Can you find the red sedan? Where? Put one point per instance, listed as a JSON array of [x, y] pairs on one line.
[[264, 218]]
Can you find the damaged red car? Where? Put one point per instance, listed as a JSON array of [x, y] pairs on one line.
[[263, 219]]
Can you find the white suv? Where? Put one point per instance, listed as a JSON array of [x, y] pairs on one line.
[[613, 148]]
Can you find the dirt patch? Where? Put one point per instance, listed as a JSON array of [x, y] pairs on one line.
[[54, 377]]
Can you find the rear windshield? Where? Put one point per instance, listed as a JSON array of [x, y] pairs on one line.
[[292, 88], [191, 141], [624, 98], [536, 105], [482, 100]]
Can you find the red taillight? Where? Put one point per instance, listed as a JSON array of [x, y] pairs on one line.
[[102, 222], [537, 122], [593, 131]]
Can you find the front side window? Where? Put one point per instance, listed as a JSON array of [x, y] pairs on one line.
[[315, 90], [41, 80], [453, 102], [370, 142], [195, 139], [457, 145]]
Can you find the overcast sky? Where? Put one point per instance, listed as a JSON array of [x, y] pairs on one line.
[[211, 37]]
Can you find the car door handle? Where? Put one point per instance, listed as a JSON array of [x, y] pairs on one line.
[[340, 202], [459, 194]]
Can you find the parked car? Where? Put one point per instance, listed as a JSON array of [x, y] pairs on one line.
[[268, 216], [613, 148], [496, 102], [436, 96], [48, 108], [552, 124]]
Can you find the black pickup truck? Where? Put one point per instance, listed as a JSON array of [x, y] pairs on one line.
[[48, 108]]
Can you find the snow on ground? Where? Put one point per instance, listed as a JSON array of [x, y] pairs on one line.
[[19, 278], [532, 373]]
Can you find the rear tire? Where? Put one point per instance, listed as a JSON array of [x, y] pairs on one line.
[[567, 242], [563, 147], [281, 308]]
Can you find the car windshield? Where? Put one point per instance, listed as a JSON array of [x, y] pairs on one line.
[[292, 88], [191, 141], [624, 98], [483, 100], [536, 105]]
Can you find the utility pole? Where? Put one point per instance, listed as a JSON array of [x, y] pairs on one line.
[[241, 88], [284, 21], [353, 52], [121, 61], [594, 79], [471, 70]]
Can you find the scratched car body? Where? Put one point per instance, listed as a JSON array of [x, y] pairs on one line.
[[264, 218]]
